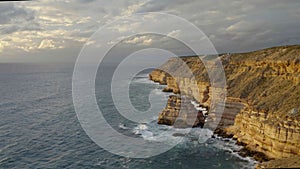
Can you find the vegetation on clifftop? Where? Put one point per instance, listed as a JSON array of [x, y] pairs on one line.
[[266, 82]]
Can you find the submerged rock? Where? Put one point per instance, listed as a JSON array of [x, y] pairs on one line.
[[179, 135]]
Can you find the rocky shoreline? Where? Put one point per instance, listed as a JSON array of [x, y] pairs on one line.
[[181, 113], [262, 109]]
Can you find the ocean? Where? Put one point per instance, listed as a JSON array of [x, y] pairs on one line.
[[39, 126]]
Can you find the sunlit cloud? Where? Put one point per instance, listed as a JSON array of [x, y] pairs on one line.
[[47, 25], [141, 40]]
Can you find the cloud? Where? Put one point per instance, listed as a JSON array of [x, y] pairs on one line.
[[85, 1], [140, 40], [126, 27], [46, 43], [133, 8], [244, 28], [174, 34], [14, 18], [233, 26], [9, 13], [41, 28]]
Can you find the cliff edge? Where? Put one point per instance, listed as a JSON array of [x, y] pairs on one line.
[[262, 109]]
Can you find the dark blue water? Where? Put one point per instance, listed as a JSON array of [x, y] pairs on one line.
[[39, 127]]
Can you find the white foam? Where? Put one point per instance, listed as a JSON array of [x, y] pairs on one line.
[[159, 92], [142, 130], [143, 75], [195, 104], [165, 134], [142, 127], [198, 106], [202, 134], [158, 133], [143, 80], [233, 149], [122, 126]]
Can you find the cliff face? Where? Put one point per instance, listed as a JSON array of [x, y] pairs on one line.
[[188, 116], [290, 162], [263, 96], [275, 136]]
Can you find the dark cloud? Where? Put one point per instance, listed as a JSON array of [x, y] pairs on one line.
[[9, 12], [232, 25], [13, 18]]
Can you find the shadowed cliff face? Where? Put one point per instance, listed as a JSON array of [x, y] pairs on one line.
[[263, 96], [181, 113]]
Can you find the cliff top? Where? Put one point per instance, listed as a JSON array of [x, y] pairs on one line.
[[268, 79]]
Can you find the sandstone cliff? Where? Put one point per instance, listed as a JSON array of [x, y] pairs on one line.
[[290, 162], [263, 96], [189, 116]]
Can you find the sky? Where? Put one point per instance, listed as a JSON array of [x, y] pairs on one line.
[[56, 30]]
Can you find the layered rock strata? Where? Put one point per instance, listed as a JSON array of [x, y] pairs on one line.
[[181, 113], [290, 162], [263, 97], [275, 136]]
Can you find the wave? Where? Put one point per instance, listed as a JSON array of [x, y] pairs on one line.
[[142, 130], [145, 75], [169, 134], [159, 92], [143, 80], [231, 147], [198, 107], [123, 126]]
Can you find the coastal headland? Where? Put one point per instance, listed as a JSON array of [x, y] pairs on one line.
[[262, 108]]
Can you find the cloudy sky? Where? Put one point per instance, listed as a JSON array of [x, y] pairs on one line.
[[56, 30]]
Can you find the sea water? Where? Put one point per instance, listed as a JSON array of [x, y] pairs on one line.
[[39, 127]]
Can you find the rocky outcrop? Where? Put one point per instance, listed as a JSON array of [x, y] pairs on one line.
[[273, 135], [159, 76], [263, 97], [181, 113]]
